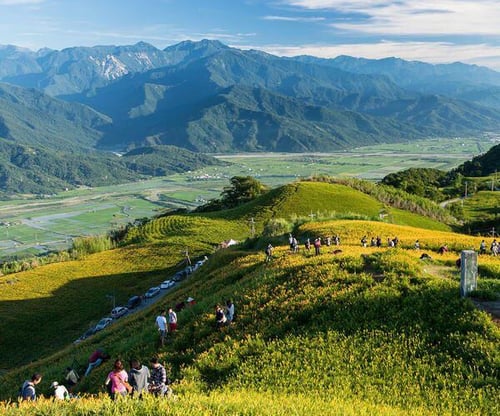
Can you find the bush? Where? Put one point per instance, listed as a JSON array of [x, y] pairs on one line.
[[83, 246], [276, 227]]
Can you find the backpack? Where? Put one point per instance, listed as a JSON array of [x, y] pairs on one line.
[[20, 393]]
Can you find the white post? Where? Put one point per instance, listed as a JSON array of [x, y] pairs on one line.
[[468, 272]]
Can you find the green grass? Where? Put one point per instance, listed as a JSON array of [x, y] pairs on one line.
[[482, 206], [320, 200], [149, 197], [370, 330]]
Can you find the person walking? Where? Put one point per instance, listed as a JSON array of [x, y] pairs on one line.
[[158, 384], [482, 247], [269, 253], [28, 391], [172, 321], [60, 391], [118, 378], [317, 246], [161, 324], [220, 317], [139, 377], [229, 311]]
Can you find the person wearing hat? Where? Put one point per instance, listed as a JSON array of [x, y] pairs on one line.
[[60, 392]]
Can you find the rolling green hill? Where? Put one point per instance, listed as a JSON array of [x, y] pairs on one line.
[[38, 170], [482, 165], [368, 331], [301, 200]]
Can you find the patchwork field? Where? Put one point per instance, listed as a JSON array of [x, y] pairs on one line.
[[35, 226]]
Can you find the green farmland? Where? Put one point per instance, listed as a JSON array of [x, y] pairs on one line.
[[37, 226]]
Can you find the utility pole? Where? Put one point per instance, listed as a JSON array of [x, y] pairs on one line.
[[186, 256], [465, 196], [311, 215]]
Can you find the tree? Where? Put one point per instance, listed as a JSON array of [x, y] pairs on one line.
[[242, 189]]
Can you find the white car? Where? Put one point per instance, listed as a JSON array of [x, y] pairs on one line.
[[167, 284], [118, 312], [152, 292], [103, 323]]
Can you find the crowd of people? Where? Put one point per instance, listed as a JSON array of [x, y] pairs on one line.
[[139, 380], [393, 242]]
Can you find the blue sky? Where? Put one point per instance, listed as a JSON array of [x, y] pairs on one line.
[[436, 31]]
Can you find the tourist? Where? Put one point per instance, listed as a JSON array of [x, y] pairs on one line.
[[317, 246], [60, 392], [95, 360], [364, 241], [482, 247], [220, 317], [71, 378], [443, 249], [117, 381], [158, 383], [139, 377], [495, 248], [161, 324], [269, 252], [229, 311], [172, 321], [28, 391]]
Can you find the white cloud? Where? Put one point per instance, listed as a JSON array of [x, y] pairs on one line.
[[409, 17], [294, 19], [432, 52]]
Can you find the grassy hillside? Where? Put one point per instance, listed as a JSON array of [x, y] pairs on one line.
[[62, 300], [481, 211], [322, 200], [369, 331]]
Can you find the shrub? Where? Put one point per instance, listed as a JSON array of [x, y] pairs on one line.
[[276, 226], [83, 246]]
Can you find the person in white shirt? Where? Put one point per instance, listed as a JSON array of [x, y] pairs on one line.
[[161, 324], [60, 392]]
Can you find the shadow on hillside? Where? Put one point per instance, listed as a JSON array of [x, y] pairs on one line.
[[33, 328]]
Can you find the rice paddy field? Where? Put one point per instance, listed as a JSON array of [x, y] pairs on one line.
[[31, 226]]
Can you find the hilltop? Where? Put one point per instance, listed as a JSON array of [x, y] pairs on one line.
[[369, 330]]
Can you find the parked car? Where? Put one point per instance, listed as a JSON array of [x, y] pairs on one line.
[[152, 292], [134, 302], [178, 277], [118, 312], [103, 323], [167, 284]]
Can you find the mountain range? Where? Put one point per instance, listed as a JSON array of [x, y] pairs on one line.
[[208, 97]]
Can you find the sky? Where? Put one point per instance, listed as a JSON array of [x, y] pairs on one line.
[[434, 31]]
